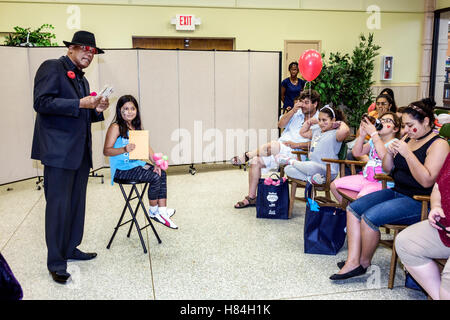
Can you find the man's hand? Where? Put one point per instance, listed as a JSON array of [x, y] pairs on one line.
[[90, 102], [103, 105]]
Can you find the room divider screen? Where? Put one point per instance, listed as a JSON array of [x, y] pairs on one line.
[[199, 106]]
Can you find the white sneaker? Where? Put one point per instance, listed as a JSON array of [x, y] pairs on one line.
[[163, 220], [318, 179], [169, 223]]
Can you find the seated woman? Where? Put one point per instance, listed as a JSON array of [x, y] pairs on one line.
[[422, 242], [122, 167], [375, 148], [414, 164], [383, 103], [326, 141], [385, 91]]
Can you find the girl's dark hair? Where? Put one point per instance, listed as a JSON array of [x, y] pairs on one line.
[[388, 91], [338, 114], [419, 110], [390, 100], [397, 122], [293, 64], [136, 122]]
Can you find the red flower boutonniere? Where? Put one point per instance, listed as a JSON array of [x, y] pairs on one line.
[[71, 74], [94, 94]]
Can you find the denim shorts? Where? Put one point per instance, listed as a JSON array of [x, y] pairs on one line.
[[386, 206]]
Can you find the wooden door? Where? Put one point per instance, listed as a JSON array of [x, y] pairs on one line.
[[293, 49], [184, 43]]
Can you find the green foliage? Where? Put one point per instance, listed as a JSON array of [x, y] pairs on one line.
[[36, 37], [346, 80]]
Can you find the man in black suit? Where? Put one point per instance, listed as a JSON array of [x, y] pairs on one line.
[[63, 142]]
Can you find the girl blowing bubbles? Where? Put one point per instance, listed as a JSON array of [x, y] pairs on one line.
[[326, 140], [122, 167]]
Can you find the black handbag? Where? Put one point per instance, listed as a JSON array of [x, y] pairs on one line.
[[324, 230], [272, 201], [10, 288]]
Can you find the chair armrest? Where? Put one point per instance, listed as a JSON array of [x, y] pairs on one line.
[[299, 153], [421, 198], [343, 163], [425, 201], [349, 162], [383, 177]]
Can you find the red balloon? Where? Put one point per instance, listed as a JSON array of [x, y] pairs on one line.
[[310, 64]]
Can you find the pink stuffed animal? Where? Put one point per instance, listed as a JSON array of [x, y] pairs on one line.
[[269, 181], [161, 160]]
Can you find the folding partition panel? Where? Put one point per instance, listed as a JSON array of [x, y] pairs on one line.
[[199, 106], [231, 103], [160, 110], [196, 80], [264, 98], [16, 124]]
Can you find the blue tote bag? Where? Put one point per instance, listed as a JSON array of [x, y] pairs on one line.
[[324, 230], [272, 201]]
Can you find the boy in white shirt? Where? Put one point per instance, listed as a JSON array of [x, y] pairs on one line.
[[265, 157]]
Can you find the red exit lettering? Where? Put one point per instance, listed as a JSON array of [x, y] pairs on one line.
[[185, 20]]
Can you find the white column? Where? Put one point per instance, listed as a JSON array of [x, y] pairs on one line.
[[427, 42]]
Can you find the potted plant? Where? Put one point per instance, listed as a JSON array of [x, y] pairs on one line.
[[346, 81], [31, 38]]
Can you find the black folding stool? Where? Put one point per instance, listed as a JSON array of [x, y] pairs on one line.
[[133, 219]]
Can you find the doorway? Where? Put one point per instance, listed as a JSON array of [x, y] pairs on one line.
[[293, 49], [184, 43]]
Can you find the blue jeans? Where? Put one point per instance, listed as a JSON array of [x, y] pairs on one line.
[[386, 206]]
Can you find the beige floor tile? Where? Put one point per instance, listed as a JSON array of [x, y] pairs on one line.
[[218, 252]]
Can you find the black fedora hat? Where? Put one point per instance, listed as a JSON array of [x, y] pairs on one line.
[[83, 38]]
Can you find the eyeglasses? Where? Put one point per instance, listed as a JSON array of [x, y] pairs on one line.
[[382, 103], [90, 49], [385, 120]]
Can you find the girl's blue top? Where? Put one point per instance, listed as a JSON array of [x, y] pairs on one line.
[[122, 161]]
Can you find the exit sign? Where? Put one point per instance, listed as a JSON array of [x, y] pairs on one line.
[[185, 21]]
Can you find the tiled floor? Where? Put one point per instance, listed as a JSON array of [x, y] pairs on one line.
[[217, 252]]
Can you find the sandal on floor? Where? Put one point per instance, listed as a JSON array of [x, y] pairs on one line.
[[241, 204], [237, 161]]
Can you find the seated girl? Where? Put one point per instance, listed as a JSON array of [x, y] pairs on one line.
[[326, 141], [122, 167], [414, 163], [375, 148]]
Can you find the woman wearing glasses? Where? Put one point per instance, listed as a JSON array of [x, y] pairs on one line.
[[383, 103], [414, 163]]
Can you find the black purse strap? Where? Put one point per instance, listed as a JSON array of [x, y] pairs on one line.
[[309, 192]]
